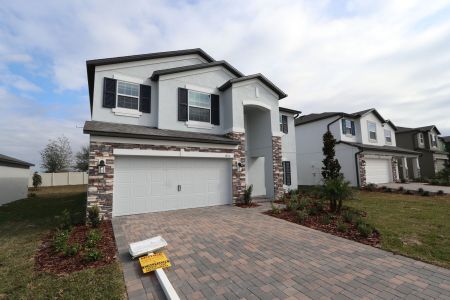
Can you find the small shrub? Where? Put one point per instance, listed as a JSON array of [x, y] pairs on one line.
[[388, 190], [364, 230], [301, 216], [342, 227], [274, 209], [313, 210], [371, 187], [292, 204], [60, 240], [403, 180], [401, 189], [326, 219], [92, 254], [37, 180], [64, 220], [72, 250], [248, 195], [420, 190], [408, 192], [303, 203], [348, 216], [337, 190], [92, 238], [384, 187], [359, 221], [94, 216], [319, 205], [32, 195], [425, 193], [440, 192]]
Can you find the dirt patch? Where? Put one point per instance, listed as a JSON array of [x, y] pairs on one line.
[[47, 260], [242, 205], [316, 222]]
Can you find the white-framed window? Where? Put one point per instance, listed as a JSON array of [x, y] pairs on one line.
[[348, 127], [199, 106], [127, 95], [372, 129], [433, 140], [388, 136], [421, 139]]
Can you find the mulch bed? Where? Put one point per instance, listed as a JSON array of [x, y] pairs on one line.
[[242, 205], [47, 260], [314, 222]]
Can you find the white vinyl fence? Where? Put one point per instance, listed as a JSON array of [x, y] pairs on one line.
[[56, 179]]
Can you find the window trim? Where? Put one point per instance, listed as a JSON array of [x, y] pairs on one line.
[[390, 136], [283, 164], [421, 138], [120, 108], [434, 143], [349, 134], [368, 131], [189, 105]]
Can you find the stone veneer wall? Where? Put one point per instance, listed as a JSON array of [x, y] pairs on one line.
[[100, 186], [277, 167], [238, 173], [394, 163], [362, 170]]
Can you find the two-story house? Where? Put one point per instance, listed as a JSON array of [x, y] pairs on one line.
[[425, 140], [178, 129], [366, 147]]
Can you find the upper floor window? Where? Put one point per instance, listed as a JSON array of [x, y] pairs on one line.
[[388, 136], [348, 127], [199, 106], [421, 140], [372, 128], [127, 95], [433, 140], [283, 124]]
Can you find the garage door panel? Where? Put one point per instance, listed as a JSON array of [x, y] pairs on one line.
[[143, 184], [378, 170]]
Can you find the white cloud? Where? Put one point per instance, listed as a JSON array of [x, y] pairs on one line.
[[327, 55]]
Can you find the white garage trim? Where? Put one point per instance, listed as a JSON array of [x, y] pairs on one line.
[[172, 153]]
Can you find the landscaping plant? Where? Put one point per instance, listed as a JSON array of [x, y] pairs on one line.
[[37, 180], [342, 227], [274, 209], [365, 230], [60, 240], [336, 190], [301, 216], [248, 195], [64, 220], [94, 216], [326, 219], [331, 168]]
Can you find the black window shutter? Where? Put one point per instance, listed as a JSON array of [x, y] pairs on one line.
[[145, 98], [215, 109], [284, 123], [109, 92], [353, 127], [287, 172], [182, 104], [344, 130]]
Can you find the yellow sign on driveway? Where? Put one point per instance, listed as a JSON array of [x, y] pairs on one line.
[[154, 261]]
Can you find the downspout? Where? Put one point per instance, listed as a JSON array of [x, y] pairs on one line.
[[329, 124]]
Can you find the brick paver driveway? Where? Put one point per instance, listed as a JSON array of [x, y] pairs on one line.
[[227, 252]]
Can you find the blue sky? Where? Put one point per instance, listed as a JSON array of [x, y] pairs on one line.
[[327, 55]]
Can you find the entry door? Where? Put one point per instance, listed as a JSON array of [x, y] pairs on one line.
[[151, 184]]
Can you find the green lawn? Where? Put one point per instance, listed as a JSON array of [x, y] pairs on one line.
[[411, 225], [22, 225]]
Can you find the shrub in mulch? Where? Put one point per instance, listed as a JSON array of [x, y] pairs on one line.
[[243, 205], [402, 190], [341, 224], [78, 254]]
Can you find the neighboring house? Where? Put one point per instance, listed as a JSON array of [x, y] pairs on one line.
[[446, 141], [426, 141], [178, 129], [14, 174], [366, 147]]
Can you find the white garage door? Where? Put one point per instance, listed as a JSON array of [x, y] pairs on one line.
[[378, 170], [440, 164], [151, 184]]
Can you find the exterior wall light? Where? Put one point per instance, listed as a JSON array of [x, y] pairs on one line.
[[101, 167]]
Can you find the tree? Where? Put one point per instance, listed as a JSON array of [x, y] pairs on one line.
[[57, 155], [37, 180], [337, 190], [331, 167], [82, 159]]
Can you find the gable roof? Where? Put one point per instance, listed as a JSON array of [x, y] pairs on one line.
[[91, 64], [226, 65], [417, 129], [259, 76], [139, 131], [288, 110], [317, 117], [14, 162], [446, 139]]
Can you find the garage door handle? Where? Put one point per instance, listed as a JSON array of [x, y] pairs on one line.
[[179, 187]]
